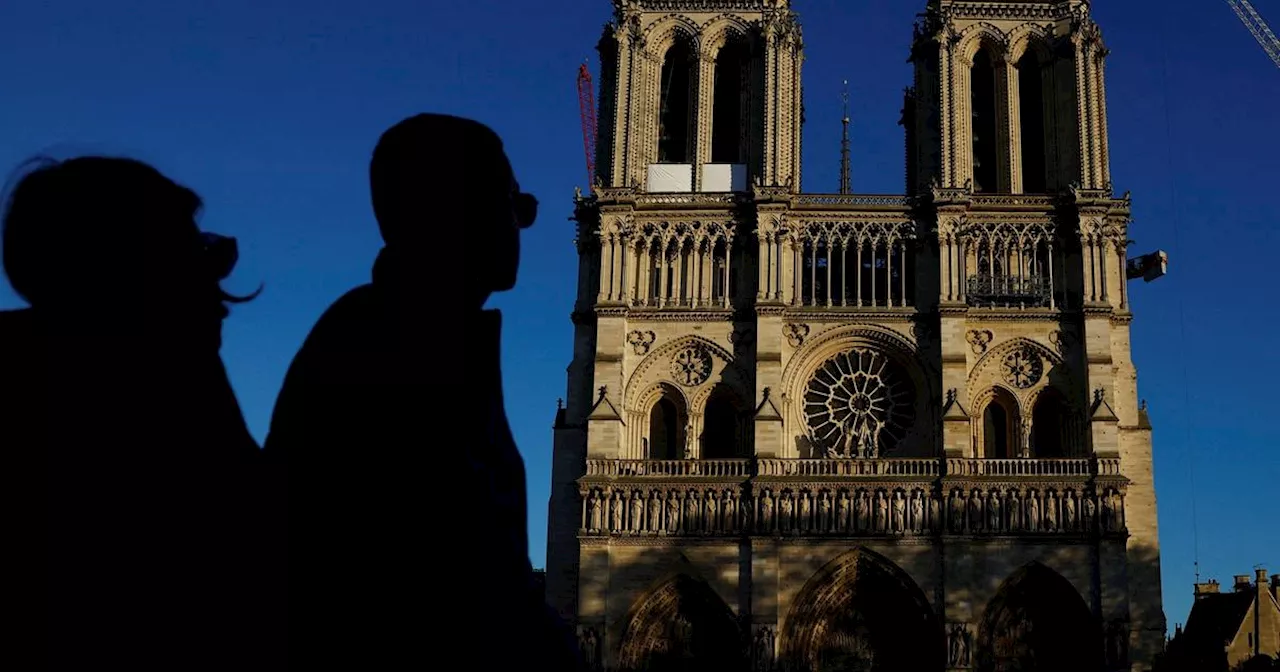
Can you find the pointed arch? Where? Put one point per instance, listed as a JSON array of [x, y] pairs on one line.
[[644, 376], [986, 371], [861, 609], [724, 424], [1038, 620], [1056, 427], [681, 625], [665, 423], [998, 434], [721, 29], [661, 34], [1030, 38], [978, 36]]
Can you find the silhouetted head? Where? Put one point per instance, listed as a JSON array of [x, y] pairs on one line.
[[113, 238], [443, 188]]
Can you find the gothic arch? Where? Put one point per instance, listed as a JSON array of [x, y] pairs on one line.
[[644, 376], [1030, 37], [1038, 621], [682, 624], [664, 32], [821, 349], [722, 423], [1001, 419], [718, 31], [858, 608], [978, 35], [987, 371]]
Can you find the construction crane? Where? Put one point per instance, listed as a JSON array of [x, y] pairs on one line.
[[587, 106], [1256, 25]]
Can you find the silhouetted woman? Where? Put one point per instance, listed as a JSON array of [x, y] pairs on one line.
[[154, 537]]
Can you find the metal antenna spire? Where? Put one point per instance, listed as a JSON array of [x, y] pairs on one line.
[[845, 187]]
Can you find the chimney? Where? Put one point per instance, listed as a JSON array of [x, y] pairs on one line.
[[1261, 574], [1242, 583], [1208, 588]]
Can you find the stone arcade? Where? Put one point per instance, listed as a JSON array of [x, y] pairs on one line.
[[853, 432]]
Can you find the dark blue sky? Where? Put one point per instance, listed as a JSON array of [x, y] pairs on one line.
[[270, 112]]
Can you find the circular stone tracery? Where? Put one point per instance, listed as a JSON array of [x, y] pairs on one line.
[[691, 366], [1023, 367], [859, 403]]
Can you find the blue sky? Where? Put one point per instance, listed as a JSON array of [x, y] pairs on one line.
[[270, 113]]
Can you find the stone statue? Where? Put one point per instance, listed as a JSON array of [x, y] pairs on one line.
[[1069, 512], [692, 512], [935, 512], [1015, 511], [688, 441], [959, 641], [713, 512], [1033, 511], [673, 514], [975, 511], [824, 512], [655, 512], [917, 512], [899, 513], [957, 512], [597, 515], [882, 511], [766, 512], [637, 511], [1090, 510], [785, 509], [589, 643], [994, 522], [805, 510], [729, 511], [860, 510], [842, 512], [615, 512], [1051, 512]]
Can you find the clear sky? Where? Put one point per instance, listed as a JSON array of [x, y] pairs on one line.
[[270, 112]]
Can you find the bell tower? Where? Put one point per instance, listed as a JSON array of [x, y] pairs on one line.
[[1007, 102], [700, 96]]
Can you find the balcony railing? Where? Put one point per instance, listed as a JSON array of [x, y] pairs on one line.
[[1028, 291], [908, 468], [849, 497]]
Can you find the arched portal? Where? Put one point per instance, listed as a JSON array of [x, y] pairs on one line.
[[1000, 422], [683, 625], [1050, 426], [861, 612], [1037, 622], [668, 427], [721, 426]]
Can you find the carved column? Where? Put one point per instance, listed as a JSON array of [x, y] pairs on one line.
[[705, 115], [1013, 121]]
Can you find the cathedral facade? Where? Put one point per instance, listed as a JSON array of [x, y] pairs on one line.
[[820, 432]]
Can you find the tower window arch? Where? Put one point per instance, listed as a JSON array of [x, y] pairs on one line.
[[668, 423], [985, 127], [998, 433], [721, 426], [675, 111], [730, 101], [1031, 116]]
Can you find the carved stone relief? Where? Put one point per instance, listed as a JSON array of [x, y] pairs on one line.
[[978, 340], [1023, 367], [762, 649], [691, 366], [959, 646], [641, 341], [796, 333], [1062, 341]]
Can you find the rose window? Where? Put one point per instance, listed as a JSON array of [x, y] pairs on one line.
[[859, 404], [691, 366], [1023, 368]]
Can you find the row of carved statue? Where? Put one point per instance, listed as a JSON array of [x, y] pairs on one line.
[[893, 511]]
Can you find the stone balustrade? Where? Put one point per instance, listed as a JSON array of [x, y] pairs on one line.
[[875, 497]]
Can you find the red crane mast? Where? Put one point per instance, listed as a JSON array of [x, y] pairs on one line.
[[587, 106]]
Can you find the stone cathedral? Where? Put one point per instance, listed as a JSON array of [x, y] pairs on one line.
[[818, 432]]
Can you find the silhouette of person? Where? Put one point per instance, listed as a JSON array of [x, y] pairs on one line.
[[151, 483], [415, 491]]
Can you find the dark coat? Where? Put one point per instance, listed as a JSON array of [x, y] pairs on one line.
[[410, 528]]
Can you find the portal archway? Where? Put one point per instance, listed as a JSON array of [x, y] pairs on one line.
[[861, 612], [682, 626], [1037, 622]]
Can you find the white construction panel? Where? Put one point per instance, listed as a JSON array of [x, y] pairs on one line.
[[666, 178], [724, 177]]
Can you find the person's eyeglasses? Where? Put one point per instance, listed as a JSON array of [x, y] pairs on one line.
[[525, 207], [220, 254]]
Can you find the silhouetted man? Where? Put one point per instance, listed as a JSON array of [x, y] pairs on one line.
[[410, 530]]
